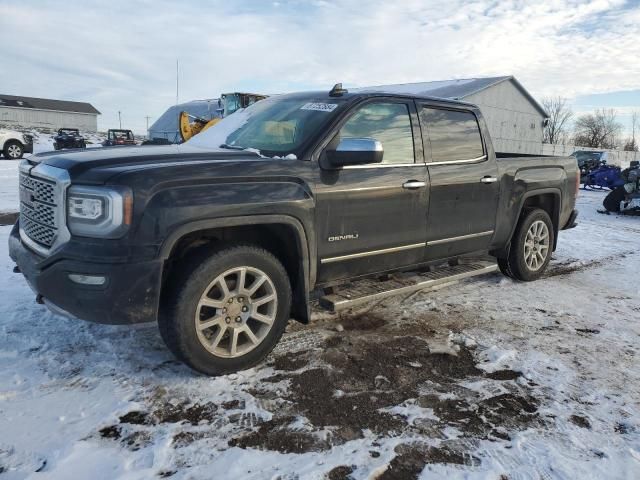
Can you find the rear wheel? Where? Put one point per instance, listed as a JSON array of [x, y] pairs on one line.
[[228, 312], [531, 247], [13, 150]]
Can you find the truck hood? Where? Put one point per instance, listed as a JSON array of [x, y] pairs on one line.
[[112, 159]]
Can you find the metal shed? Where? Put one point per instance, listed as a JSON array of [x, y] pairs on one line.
[[47, 113], [514, 118]]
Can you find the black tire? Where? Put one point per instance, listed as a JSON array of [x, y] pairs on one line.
[[515, 266], [503, 264], [13, 150], [177, 317]]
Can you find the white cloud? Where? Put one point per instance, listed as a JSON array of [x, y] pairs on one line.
[[121, 56]]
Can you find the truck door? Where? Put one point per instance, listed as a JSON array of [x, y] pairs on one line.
[[372, 217], [464, 183]]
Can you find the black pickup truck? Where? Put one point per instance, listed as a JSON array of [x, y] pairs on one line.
[[223, 239]]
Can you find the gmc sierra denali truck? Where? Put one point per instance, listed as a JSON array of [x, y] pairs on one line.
[[223, 239]]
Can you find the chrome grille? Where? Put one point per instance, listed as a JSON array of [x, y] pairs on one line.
[[42, 190], [38, 204], [36, 232]]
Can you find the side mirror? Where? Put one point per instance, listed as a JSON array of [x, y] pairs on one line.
[[356, 151]]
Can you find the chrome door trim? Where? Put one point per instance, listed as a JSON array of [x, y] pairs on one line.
[[371, 252], [453, 162], [383, 165], [461, 237]]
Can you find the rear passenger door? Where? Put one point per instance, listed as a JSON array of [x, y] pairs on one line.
[[464, 182]]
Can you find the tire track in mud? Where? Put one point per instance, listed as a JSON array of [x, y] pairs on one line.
[[612, 226], [571, 266]]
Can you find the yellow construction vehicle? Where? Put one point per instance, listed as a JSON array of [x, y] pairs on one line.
[[191, 125]]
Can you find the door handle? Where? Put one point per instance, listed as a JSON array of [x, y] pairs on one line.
[[489, 179], [413, 184]]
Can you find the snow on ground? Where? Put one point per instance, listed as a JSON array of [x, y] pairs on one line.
[[488, 378]]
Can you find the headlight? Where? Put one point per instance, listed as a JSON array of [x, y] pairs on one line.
[[99, 211]]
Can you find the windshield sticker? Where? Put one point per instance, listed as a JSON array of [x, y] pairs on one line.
[[320, 107]]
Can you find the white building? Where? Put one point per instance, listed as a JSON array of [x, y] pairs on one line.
[[515, 119], [45, 113]]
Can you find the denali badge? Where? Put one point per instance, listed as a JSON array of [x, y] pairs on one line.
[[337, 238]]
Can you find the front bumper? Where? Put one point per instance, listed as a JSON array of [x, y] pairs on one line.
[[130, 294]]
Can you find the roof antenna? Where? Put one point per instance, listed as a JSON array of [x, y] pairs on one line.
[[337, 90]]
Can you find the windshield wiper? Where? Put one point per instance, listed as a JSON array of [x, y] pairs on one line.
[[231, 147]]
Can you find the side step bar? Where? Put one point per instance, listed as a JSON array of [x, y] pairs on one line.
[[363, 291]]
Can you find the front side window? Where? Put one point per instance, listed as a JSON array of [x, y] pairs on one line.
[[388, 123], [454, 135]]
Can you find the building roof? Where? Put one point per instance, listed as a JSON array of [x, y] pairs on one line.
[[454, 89], [47, 104]]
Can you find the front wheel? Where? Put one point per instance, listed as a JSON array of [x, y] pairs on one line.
[[227, 312], [531, 247]]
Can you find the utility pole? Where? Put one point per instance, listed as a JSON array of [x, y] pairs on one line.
[[147, 117], [177, 79], [120, 119]]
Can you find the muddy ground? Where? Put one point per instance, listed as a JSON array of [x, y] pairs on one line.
[[365, 378]]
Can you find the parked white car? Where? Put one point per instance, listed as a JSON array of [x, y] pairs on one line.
[[14, 144]]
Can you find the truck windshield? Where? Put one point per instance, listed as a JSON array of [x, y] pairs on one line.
[[276, 126]]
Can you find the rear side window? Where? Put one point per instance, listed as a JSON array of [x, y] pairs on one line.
[[387, 122], [454, 135]]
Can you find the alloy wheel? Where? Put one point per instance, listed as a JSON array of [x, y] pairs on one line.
[[236, 312], [536, 245], [14, 151]]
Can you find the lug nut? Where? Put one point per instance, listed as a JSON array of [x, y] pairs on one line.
[[228, 320], [240, 299], [230, 300], [238, 319], [224, 310], [244, 309]]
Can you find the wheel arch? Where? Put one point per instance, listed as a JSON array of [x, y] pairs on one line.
[[547, 199], [11, 140], [282, 235]]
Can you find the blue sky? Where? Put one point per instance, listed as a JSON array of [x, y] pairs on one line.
[[121, 55]]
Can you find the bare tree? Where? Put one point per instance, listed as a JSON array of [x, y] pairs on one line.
[[598, 130], [555, 131], [631, 145]]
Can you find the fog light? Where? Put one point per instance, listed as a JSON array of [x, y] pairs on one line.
[[87, 279]]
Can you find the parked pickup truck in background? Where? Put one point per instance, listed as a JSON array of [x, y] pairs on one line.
[[222, 246]]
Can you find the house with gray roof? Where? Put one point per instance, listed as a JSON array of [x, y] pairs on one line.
[[31, 112]]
